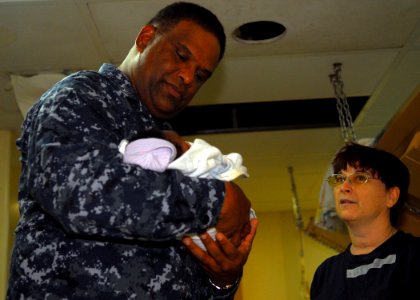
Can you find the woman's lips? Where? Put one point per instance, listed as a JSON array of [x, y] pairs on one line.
[[346, 201]]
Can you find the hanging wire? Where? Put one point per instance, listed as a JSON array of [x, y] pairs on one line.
[[296, 208], [299, 226], [346, 122]]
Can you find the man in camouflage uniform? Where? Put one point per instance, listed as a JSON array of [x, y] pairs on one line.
[[92, 227]]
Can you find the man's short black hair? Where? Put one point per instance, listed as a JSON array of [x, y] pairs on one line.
[[381, 164], [172, 14]]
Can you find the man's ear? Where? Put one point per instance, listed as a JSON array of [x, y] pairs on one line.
[[393, 195], [145, 36]]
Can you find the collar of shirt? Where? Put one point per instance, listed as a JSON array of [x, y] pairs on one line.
[[119, 79]]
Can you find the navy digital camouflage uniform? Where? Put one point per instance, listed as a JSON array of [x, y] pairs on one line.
[[92, 227]]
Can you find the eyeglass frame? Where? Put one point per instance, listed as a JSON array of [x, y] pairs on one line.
[[349, 178]]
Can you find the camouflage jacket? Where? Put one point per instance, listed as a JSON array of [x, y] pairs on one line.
[[91, 226]]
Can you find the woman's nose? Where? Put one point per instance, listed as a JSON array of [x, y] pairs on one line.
[[346, 186]]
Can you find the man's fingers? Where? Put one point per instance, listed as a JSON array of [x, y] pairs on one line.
[[223, 262], [222, 254], [229, 250], [200, 254], [213, 247], [246, 244], [251, 235], [196, 250]]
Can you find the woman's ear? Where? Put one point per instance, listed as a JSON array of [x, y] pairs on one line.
[[145, 36], [393, 195]]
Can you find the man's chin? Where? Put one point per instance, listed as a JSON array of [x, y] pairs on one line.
[[166, 108], [165, 114]]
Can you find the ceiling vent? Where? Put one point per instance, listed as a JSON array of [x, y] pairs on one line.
[[259, 32]]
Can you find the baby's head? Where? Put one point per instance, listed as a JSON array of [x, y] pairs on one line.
[[169, 135], [180, 144]]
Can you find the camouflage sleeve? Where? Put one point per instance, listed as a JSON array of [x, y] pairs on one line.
[[77, 176]]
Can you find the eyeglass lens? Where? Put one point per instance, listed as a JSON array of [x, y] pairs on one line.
[[357, 178]]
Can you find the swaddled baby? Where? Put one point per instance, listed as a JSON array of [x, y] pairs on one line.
[[161, 150]]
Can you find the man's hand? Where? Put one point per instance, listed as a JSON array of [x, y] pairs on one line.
[[223, 262]]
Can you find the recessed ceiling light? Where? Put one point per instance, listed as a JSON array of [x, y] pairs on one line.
[[259, 32]]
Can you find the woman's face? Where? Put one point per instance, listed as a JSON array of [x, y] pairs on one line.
[[362, 202]]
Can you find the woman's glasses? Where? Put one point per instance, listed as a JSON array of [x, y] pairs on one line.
[[355, 178]]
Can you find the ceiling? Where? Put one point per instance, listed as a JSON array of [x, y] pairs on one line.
[[377, 42]]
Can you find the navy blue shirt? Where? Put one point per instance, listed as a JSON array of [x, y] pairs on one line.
[[91, 226], [390, 272]]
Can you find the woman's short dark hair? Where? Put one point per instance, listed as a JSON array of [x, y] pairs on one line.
[[381, 164], [172, 14]]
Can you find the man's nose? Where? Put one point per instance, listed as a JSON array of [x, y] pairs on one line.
[[186, 74]]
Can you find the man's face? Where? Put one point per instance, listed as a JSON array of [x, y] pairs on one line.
[[172, 66]]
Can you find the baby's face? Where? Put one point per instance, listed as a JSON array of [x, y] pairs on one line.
[[180, 144]]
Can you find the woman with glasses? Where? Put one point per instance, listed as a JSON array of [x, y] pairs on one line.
[[370, 188]]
